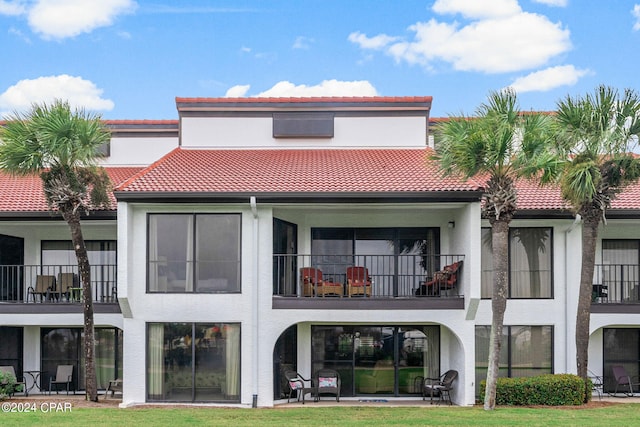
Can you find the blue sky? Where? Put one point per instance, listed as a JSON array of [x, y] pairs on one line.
[[129, 59]]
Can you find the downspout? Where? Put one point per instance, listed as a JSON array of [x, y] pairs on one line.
[[256, 300], [566, 291]]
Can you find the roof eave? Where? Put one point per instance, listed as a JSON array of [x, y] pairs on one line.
[[301, 197], [50, 215]]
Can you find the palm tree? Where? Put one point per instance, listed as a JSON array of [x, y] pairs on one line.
[[595, 135], [499, 144], [62, 147]]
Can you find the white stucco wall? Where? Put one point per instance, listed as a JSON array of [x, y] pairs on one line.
[[255, 132], [258, 349], [138, 151]]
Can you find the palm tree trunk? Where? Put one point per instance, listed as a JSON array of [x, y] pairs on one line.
[[73, 219], [589, 237], [500, 242]]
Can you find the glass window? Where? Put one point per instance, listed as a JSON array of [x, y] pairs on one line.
[[620, 272], [64, 346], [11, 348], [194, 253], [397, 259], [530, 263], [60, 257], [383, 360], [193, 362], [61, 253], [621, 346], [526, 351]]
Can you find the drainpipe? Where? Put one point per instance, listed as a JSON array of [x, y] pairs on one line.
[[566, 291], [256, 300]]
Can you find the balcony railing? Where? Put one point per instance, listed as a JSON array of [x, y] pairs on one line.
[[18, 283], [390, 276], [616, 283]]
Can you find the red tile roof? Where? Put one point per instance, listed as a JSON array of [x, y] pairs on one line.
[[329, 171], [532, 196], [25, 194]]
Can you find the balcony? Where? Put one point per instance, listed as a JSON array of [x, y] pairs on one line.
[[404, 281], [59, 285], [616, 288]]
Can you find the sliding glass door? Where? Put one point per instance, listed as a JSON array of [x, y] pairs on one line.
[[378, 360]]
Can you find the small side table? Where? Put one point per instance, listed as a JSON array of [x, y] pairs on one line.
[[75, 294]]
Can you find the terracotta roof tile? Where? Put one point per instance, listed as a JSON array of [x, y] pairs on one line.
[[295, 171], [25, 194]]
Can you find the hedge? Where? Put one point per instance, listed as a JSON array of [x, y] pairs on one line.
[[549, 389]]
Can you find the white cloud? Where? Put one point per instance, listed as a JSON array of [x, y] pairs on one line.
[[377, 42], [551, 78], [58, 19], [636, 14], [12, 8], [16, 32], [324, 88], [477, 9], [237, 91], [302, 42], [76, 90], [501, 38], [554, 3]]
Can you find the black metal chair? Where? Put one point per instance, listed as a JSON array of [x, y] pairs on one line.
[[439, 387], [296, 384], [597, 384], [327, 381]]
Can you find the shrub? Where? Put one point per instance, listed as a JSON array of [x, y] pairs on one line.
[[7, 385], [550, 389]]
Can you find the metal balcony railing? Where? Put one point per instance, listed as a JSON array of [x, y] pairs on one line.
[[18, 283], [616, 283], [389, 276]]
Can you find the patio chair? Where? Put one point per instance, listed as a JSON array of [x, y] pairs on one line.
[[358, 281], [624, 381], [327, 381], [296, 384], [44, 287], [66, 283], [439, 387], [447, 278], [597, 383], [64, 375], [115, 386], [314, 284], [20, 386]]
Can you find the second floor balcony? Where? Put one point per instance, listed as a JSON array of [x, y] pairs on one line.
[[55, 284], [368, 281], [616, 284]]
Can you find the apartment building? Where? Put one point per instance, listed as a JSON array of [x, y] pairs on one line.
[[255, 235]]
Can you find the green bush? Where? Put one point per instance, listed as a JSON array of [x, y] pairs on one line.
[[7, 385], [550, 389]]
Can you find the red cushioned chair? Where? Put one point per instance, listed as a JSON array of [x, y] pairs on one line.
[[358, 281], [314, 284], [447, 278]]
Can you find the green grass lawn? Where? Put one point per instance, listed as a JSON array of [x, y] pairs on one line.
[[614, 415]]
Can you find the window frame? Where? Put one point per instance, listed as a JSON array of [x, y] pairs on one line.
[[192, 265], [507, 348], [549, 249], [195, 390]]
